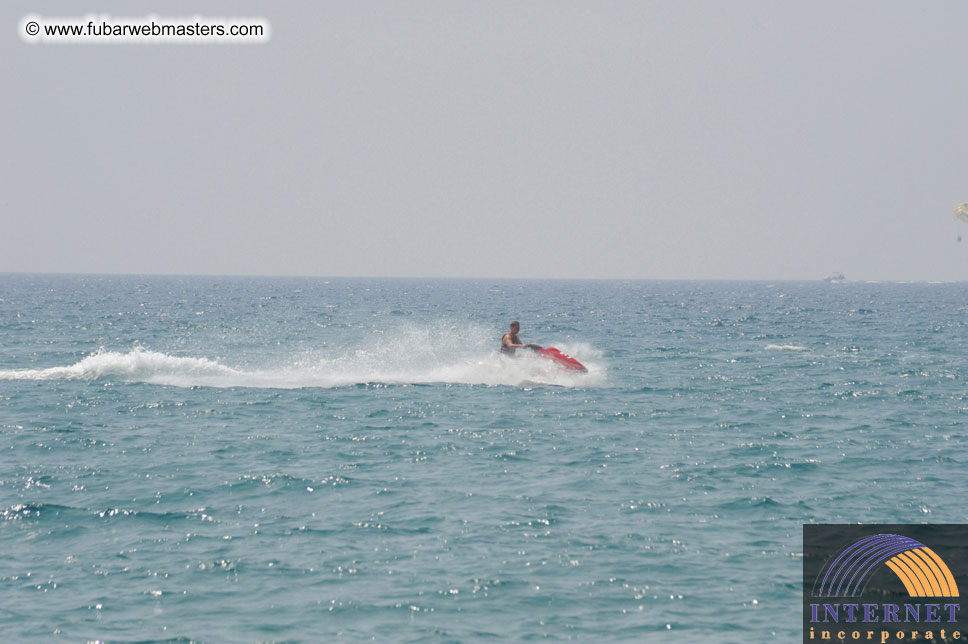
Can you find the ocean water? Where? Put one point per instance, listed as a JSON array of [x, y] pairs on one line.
[[187, 459]]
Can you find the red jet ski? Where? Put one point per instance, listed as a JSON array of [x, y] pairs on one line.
[[561, 359]]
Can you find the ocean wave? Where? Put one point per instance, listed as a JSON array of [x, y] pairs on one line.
[[384, 365], [785, 347]]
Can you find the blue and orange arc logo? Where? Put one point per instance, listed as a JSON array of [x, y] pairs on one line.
[[919, 568]]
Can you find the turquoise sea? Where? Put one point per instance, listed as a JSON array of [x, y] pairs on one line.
[[195, 459]]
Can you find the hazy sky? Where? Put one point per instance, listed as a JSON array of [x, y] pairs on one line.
[[661, 139]]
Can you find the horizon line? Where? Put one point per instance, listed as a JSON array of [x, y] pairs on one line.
[[455, 278]]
